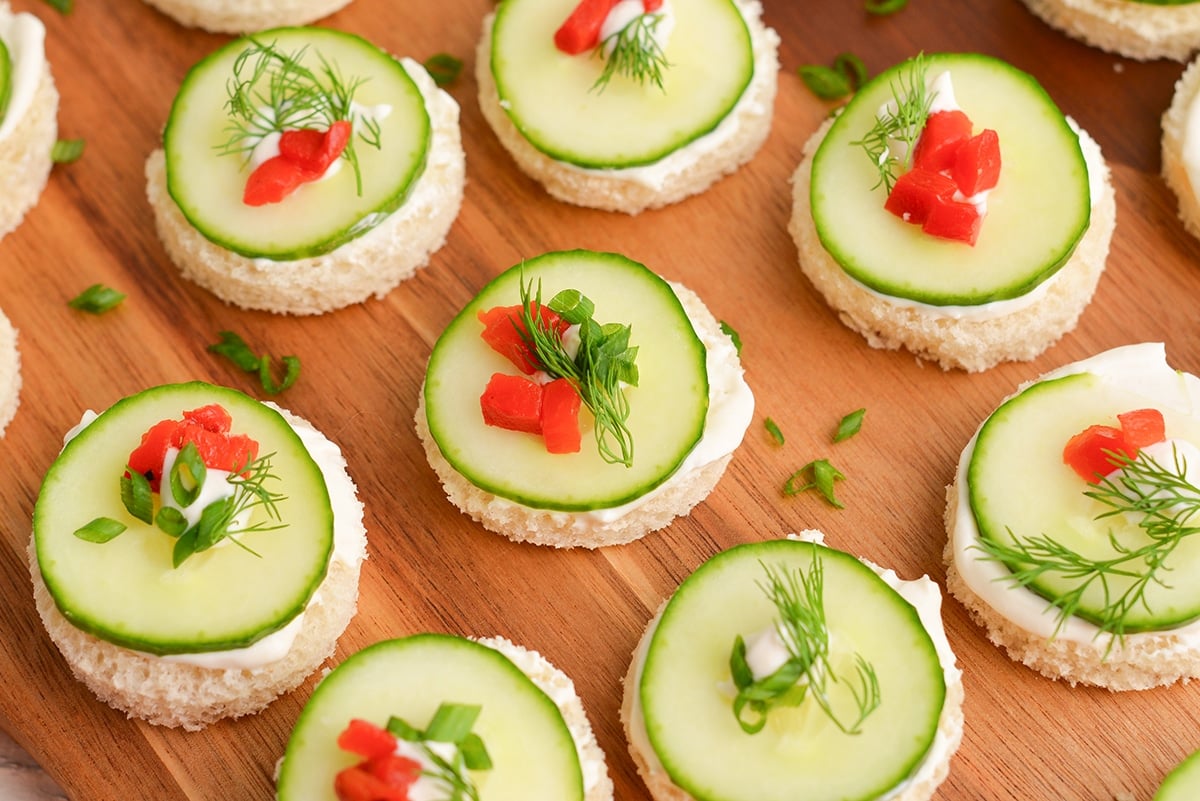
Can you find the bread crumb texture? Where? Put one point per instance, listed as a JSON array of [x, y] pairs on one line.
[[25, 155], [1140, 31], [1174, 134], [10, 373], [245, 16]]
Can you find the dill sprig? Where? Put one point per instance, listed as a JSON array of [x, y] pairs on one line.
[[633, 52], [801, 626], [272, 91], [451, 725], [899, 122], [604, 362], [1166, 504]]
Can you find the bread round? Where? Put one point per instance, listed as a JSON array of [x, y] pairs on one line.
[[168, 692], [25, 153], [971, 344], [10, 373], [672, 499], [920, 787], [558, 686], [245, 16], [685, 172], [1174, 135], [1141, 31], [371, 264]]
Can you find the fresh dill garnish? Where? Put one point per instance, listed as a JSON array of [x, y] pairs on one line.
[[633, 52], [272, 91], [899, 124], [1166, 504], [604, 362], [801, 627]]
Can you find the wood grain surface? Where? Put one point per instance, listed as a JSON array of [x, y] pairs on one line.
[[118, 64]]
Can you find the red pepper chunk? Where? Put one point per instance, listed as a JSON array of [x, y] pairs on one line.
[[503, 330], [1142, 427], [1090, 452], [273, 180], [212, 417], [915, 193], [147, 458], [364, 738], [356, 783], [560, 417], [944, 133], [315, 150], [512, 402], [953, 219], [976, 165], [581, 30]]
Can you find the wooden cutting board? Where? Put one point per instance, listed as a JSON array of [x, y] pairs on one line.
[[118, 64]]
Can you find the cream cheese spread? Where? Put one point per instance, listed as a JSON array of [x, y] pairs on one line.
[[25, 38], [625, 12]]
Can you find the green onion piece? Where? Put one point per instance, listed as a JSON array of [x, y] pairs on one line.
[[61, 6], [572, 305], [773, 430], [234, 348], [824, 82], [852, 67], [100, 530], [291, 371], [214, 523], [850, 425], [728, 330], [66, 151], [186, 489], [96, 299], [171, 521], [137, 496], [452, 722], [818, 474], [884, 7], [474, 753], [401, 730], [443, 68], [185, 546]]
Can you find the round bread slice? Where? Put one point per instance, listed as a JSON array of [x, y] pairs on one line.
[[245, 16], [170, 691], [10, 373], [372, 264], [25, 152], [971, 344], [685, 172], [674, 498], [1175, 136], [1137, 30]]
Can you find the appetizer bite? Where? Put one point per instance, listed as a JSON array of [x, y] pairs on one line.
[[786, 669], [245, 16], [1070, 517], [195, 553], [1138, 29], [951, 209], [28, 115], [10, 373], [436, 716], [1181, 147], [305, 169], [627, 105], [581, 400]]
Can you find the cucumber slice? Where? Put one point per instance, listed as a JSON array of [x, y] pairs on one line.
[[533, 754], [1036, 214], [667, 408], [1183, 782], [1018, 457], [549, 96], [125, 590], [800, 753], [6, 68], [319, 216]]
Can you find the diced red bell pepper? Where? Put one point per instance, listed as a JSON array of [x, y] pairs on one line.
[[560, 417], [273, 180], [503, 330], [315, 150], [943, 134], [581, 30], [512, 402], [394, 770], [357, 784], [650, 6], [976, 165], [213, 417], [916, 192], [1142, 427], [364, 738], [1086, 453], [218, 451], [953, 219], [147, 458]]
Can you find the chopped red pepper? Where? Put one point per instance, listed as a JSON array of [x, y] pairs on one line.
[[357, 784], [560, 417], [512, 402], [1095, 452], [916, 192], [503, 329], [581, 31], [944, 133], [207, 427], [953, 219], [273, 180], [364, 738], [304, 155], [976, 165], [383, 775], [1142, 427], [147, 458]]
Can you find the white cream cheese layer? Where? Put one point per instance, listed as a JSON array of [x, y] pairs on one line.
[[25, 38], [626, 11], [1141, 369], [924, 595]]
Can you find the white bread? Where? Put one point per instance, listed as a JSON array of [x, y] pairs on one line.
[[520, 523], [25, 161], [175, 694], [372, 264], [685, 172], [1174, 133], [969, 344], [245, 16], [1141, 31], [561, 690], [10, 373]]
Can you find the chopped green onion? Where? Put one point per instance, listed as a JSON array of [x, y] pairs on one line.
[[61, 6], [728, 330], [291, 371], [850, 425], [137, 496], [66, 150], [443, 68], [818, 474], [452, 722], [884, 7], [773, 430], [171, 521], [234, 348], [831, 83], [186, 489], [573, 306], [96, 299], [100, 530]]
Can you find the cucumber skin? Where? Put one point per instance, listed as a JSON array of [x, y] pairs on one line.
[[6, 69], [593, 104], [512, 447], [368, 220], [207, 637], [1183, 782], [936, 263], [312, 759], [1175, 606], [787, 757]]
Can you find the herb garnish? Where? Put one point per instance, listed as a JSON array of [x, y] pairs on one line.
[[234, 348], [884, 7], [773, 429], [633, 52], [61, 6], [830, 83], [733, 335], [818, 474], [293, 97], [801, 626], [452, 724], [1167, 505], [901, 121], [217, 519], [66, 151], [604, 362], [96, 299], [849, 425], [443, 68]]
